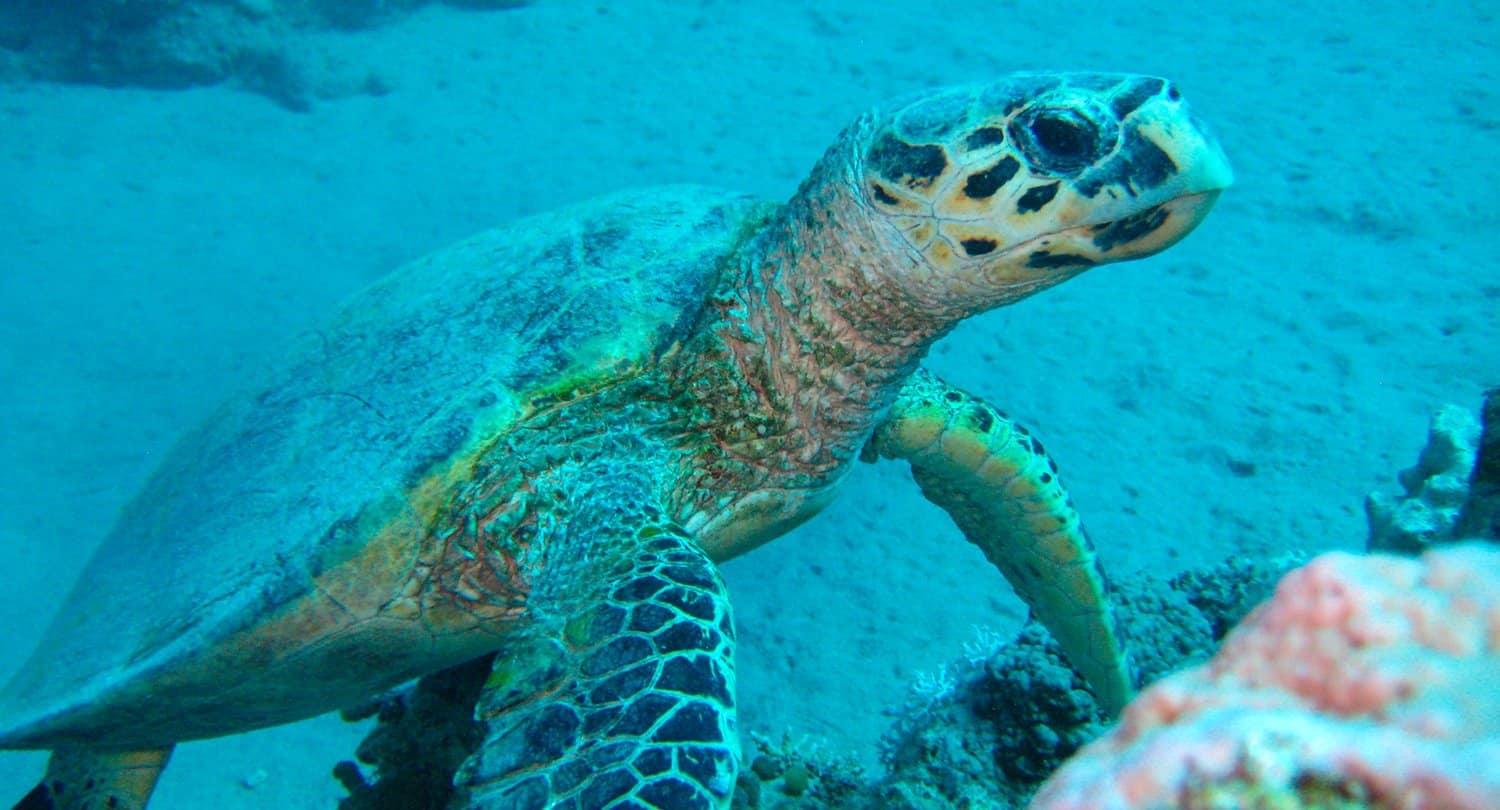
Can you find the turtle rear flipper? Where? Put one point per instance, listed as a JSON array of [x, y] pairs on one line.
[[91, 779], [623, 689], [1003, 491]]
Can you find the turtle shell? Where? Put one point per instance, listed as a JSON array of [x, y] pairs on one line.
[[222, 599]]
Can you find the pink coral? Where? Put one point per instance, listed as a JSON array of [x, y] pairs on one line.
[[1363, 682]]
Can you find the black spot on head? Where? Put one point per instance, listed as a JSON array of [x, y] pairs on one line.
[[983, 185], [1152, 164], [953, 396], [984, 136], [882, 195], [1139, 92], [978, 247], [915, 165], [1173, 93], [1129, 229], [1140, 164], [1036, 198], [1046, 260]]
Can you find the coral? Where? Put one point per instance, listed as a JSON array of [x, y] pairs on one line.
[[1435, 489], [1013, 714], [1224, 593], [1364, 682], [797, 775]]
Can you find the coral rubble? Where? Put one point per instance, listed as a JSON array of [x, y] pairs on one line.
[[1435, 489]]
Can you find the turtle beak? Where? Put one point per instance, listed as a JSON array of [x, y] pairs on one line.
[[1178, 204], [1178, 217], [1201, 165], [1203, 173]]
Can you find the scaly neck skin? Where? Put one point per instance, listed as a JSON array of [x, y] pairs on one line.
[[810, 340]]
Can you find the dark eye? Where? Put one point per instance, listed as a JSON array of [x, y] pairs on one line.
[[1060, 140], [1064, 134]]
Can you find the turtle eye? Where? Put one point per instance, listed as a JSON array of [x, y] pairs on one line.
[[1063, 134], [1059, 140]]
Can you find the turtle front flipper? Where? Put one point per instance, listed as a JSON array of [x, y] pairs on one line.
[[92, 779], [1003, 491], [623, 689]]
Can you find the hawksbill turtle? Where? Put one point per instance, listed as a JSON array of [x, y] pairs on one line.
[[541, 441]]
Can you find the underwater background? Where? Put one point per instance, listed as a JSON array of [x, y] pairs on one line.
[[168, 223]]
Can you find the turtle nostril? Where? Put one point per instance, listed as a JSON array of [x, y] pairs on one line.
[[1173, 93]]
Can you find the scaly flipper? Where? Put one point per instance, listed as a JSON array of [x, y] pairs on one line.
[[90, 779], [621, 694], [1003, 491]]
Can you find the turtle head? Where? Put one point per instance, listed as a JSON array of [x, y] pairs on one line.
[[1006, 189]]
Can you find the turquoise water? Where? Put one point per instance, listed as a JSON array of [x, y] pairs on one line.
[[1240, 393]]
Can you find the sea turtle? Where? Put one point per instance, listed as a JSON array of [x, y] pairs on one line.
[[541, 440]]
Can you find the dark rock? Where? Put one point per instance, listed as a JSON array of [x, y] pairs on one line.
[[1481, 515], [265, 46], [425, 732]]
